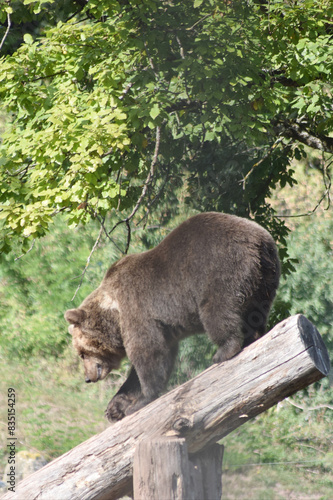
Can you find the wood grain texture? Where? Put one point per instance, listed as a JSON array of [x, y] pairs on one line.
[[203, 410], [206, 473], [162, 469]]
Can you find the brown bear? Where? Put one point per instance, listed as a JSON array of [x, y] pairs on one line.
[[215, 273]]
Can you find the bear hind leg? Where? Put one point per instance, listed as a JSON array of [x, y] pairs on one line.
[[255, 320], [224, 326], [228, 350]]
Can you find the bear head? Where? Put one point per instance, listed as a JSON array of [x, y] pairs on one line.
[[96, 337]]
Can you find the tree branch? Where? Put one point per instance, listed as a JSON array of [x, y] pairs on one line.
[[150, 175], [184, 104], [156, 197], [326, 194], [269, 152], [88, 261], [200, 21], [107, 234], [294, 130], [143, 192], [44, 77], [305, 408], [7, 30], [23, 254]]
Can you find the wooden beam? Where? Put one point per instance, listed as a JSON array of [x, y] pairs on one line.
[[203, 410]]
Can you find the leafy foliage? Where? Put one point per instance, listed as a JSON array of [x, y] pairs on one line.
[[112, 103], [309, 289]]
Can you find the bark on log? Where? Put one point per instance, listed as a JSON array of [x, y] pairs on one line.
[[203, 410], [162, 469], [206, 473]]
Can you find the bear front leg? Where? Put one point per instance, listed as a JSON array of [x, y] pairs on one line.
[[153, 372], [129, 392]]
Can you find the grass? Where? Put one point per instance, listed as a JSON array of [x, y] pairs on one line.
[[272, 483], [284, 453], [56, 411]]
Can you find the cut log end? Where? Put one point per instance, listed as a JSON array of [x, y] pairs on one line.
[[314, 344]]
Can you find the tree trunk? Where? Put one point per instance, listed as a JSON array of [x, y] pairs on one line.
[[203, 410]]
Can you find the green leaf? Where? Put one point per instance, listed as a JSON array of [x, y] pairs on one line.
[[84, 102], [28, 39], [155, 111]]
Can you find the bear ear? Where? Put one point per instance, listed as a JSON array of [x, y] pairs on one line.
[[75, 316]]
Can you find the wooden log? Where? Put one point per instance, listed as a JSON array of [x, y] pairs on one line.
[[203, 410], [206, 473], [161, 469]]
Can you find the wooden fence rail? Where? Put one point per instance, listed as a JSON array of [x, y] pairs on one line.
[[203, 410]]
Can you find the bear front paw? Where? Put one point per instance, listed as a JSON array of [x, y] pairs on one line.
[[116, 409], [138, 404]]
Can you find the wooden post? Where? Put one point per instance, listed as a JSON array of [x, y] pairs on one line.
[[203, 410], [206, 473], [163, 470]]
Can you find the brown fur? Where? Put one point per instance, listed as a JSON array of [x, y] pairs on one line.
[[215, 273]]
